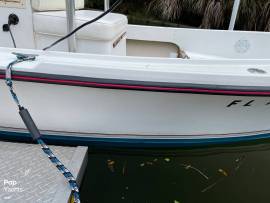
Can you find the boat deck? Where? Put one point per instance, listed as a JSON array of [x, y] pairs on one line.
[[27, 175]]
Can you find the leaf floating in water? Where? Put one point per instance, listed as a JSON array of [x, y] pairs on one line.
[[175, 201], [149, 163], [210, 186], [240, 162], [223, 172], [167, 159], [155, 160], [124, 169], [187, 167], [111, 164]]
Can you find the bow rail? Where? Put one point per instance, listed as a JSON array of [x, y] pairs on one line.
[[235, 12], [70, 10]]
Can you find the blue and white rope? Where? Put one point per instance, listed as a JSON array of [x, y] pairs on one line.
[[61, 167], [9, 81], [68, 175]]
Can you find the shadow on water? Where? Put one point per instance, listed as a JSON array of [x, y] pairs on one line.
[[217, 174]]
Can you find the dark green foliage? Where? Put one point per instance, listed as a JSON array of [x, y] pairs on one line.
[[253, 14], [214, 14]]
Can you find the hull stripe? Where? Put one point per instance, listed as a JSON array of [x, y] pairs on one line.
[[140, 87]]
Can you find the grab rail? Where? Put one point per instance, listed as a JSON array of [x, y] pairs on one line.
[[106, 5], [235, 11], [70, 10]]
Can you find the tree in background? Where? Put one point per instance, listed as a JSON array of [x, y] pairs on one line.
[[97, 4], [214, 14]]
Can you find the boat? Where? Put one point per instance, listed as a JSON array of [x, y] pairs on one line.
[[117, 84]]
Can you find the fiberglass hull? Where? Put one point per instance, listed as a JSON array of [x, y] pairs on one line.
[[79, 109], [135, 115]]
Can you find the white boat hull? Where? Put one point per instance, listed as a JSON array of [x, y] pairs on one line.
[[87, 110], [89, 106]]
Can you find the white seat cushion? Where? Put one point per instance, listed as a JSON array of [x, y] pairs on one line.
[[53, 5], [107, 28]]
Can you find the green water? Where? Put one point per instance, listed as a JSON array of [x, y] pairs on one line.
[[217, 174]]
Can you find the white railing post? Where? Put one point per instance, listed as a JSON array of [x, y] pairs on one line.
[[106, 4], [70, 9], [235, 11]]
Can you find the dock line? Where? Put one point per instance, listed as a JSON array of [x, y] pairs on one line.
[[33, 129]]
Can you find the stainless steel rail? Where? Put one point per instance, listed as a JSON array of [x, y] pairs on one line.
[[70, 9], [106, 5], [235, 11]]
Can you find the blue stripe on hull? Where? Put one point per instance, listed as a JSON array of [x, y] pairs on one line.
[[127, 142]]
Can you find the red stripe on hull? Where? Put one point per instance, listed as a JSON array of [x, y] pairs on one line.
[[138, 87]]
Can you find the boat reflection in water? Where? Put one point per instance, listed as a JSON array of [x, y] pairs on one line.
[[218, 174]]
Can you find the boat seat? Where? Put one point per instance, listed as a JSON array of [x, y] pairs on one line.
[[54, 5], [54, 23], [108, 31]]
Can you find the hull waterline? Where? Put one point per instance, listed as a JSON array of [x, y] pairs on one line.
[[125, 141]]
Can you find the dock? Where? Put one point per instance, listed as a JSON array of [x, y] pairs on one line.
[[27, 175]]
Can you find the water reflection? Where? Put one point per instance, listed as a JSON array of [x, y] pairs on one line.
[[221, 174]]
